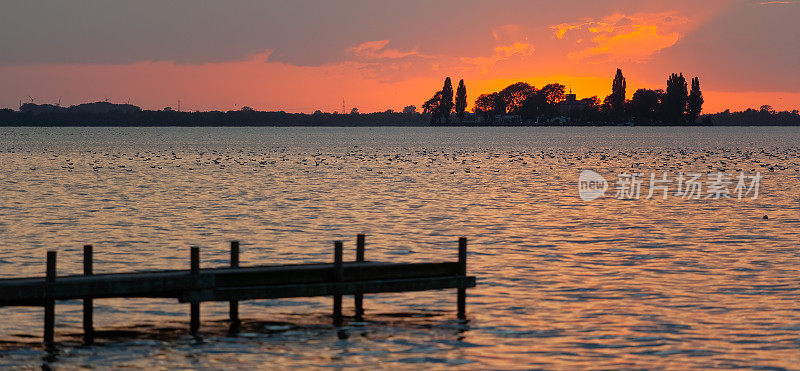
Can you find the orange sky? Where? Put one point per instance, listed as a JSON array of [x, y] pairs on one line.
[[387, 58]]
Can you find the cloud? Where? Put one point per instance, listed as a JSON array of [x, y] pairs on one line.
[[510, 42], [253, 82], [510, 33], [377, 50], [620, 37], [377, 60], [778, 2], [562, 29], [355, 45], [636, 45], [501, 53], [750, 47]]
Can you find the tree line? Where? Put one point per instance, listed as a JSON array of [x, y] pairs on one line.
[[242, 117], [676, 105], [524, 100], [764, 116], [441, 105], [681, 103]]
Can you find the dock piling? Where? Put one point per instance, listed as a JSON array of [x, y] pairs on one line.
[[462, 271], [194, 270], [234, 304], [338, 276], [50, 303], [88, 302], [358, 299], [234, 283]]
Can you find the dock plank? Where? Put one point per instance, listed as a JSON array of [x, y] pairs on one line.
[[329, 288], [173, 283], [234, 283]]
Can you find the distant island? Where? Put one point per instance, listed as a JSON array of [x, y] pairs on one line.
[[519, 104]]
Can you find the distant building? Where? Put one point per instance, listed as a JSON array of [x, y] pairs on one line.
[[571, 104], [472, 118], [503, 120]]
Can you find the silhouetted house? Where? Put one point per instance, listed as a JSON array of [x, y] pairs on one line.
[[472, 119], [508, 119], [571, 104]]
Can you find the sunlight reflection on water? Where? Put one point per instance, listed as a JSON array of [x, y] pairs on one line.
[[562, 283]]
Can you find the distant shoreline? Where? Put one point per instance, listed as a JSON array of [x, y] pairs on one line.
[[121, 115], [2, 125]]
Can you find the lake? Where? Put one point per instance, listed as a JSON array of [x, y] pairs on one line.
[[563, 283]]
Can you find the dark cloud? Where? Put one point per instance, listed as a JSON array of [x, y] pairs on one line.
[[183, 31], [624, 21], [301, 32], [752, 47]]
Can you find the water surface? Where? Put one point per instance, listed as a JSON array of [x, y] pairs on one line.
[[562, 283]]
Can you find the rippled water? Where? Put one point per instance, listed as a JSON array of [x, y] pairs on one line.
[[562, 283]]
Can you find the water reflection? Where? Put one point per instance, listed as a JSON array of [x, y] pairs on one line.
[[562, 283]]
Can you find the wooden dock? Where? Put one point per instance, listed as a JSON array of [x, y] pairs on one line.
[[235, 283]]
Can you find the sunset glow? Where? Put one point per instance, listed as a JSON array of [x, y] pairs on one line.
[[374, 59], [399, 184]]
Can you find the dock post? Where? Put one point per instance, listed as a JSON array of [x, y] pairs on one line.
[[49, 302], [234, 304], [337, 277], [462, 271], [88, 302], [194, 270], [358, 299]]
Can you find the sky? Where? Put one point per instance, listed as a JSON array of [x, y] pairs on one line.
[[308, 55]]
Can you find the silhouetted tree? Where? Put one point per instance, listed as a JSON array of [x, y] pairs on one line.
[[606, 105], [553, 93], [592, 102], [514, 95], [675, 99], [484, 103], [591, 113], [645, 106], [535, 107], [409, 110], [489, 105], [461, 100], [433, 108], [354, 111], [617, 97], [543, 103], [694, 106], [764, 116], [446, 106]]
